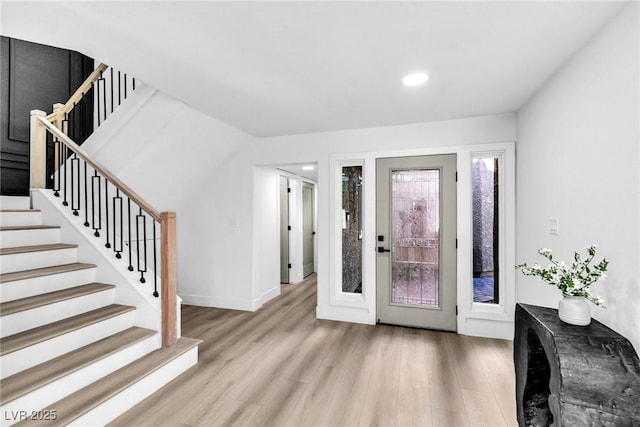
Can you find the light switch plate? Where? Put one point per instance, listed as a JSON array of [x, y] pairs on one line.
[[554, 226]]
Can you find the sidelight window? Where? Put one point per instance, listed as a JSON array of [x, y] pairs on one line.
[[486, 177]]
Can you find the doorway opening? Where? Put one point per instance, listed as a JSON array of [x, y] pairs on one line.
[[297, 221]]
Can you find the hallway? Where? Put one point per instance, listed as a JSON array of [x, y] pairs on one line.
[[281, 366]]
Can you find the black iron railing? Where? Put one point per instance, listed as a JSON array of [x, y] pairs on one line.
[[109, 208]]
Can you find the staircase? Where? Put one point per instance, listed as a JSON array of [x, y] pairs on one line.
[[69, 355]]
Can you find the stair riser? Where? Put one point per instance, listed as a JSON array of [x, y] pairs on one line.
[[31, 260], [13, 238], [54, 391], [26, 358], [10, 219], [29, 319], [127, 399], [39, 285], [15, 202]]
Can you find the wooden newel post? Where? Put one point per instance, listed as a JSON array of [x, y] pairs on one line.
[[38, 151], [169, 277]]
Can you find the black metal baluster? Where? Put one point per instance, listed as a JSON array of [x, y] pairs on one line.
[[86, 197], [155, 264], [111, 90], [117, 247], [141, 270], [95, 183], [104, 96], [130, 268], [106, 211], [57, 154], [134, 84], [97, 95], [82, 109], [125, 87], [63, 161], [119, 96], [75, 188]]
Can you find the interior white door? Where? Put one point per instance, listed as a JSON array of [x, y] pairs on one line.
[[284, 229], [416, 227], [307, 229]]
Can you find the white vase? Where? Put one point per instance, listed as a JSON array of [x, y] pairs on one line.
[[574, 310]]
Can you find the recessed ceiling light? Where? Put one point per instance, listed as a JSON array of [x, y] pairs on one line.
[[308, 168], [415, 79]]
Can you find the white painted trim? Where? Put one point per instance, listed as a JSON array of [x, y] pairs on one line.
[[219, 302], [344, 314], [489, 328], [336, 295], [504, 311], [266, 296], [470, 320]]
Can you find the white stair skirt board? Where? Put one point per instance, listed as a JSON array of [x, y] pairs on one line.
[[39, 259], [15, 236], [136, 393], [64, 386], [73, 276], [13, 218], [15, 202], [33, 355], [32, 318]]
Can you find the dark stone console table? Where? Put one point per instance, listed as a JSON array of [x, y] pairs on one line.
[[573, 375]]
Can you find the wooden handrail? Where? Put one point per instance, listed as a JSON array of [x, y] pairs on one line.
[[84, 88], [101, 169]]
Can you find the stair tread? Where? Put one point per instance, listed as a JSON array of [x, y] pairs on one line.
[[44, 271], [42, 333], [28, 303], [24, 382], [20, 210], [27, 227], [77, 404], [36, 248]]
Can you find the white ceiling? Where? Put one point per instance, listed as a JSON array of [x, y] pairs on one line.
[[277, 68]]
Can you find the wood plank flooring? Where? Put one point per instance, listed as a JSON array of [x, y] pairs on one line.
[[280, 366]]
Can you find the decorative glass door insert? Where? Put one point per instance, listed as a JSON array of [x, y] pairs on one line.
[[415, 237]]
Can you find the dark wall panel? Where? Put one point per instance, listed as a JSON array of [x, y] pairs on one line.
[[32, 76]]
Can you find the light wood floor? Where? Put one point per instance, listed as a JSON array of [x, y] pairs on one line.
[[280, 366]]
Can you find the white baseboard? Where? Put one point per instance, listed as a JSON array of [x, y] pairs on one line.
[[342, 314], [218, 302], [489, 328]]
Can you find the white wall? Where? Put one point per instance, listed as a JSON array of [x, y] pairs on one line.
[[178, 159], [454, 136], [578, 160]]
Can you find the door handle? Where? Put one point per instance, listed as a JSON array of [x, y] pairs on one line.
[[382, 250]]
